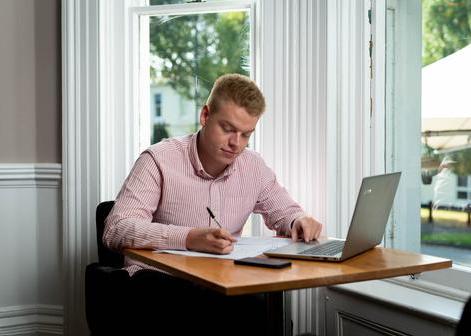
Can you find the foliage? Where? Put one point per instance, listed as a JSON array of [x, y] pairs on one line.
[[193, 50], [159, 132], [462, 239], [446, 28], [463, 162]]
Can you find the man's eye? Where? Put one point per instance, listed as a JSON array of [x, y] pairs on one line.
[[246, 135]]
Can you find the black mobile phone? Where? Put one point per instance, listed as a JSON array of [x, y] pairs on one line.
[[263, 262]]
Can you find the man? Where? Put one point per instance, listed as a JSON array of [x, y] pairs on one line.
[[163, 202]]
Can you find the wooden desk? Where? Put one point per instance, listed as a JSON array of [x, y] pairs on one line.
[[224, 276]]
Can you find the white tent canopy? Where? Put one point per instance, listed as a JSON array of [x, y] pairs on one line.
[[446, 101]]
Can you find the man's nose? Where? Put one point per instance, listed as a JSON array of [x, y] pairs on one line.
[[234, 140]]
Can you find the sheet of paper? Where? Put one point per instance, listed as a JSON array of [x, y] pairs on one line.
[[245, 247]]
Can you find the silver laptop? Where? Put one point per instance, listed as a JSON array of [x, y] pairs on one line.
[[374, 203]]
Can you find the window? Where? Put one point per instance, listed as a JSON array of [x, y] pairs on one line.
[[462, 195], [428, 68], [187, 51], [157, 106], [462, 181], [464, 192], [446, 40], [182, 49]]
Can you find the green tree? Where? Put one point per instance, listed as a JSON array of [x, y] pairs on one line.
[[193, 50], [159, 132], [463, 162], [446, 28]]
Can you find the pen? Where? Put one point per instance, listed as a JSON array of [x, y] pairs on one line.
[[212, 216]]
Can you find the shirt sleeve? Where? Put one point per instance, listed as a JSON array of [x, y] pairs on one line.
[[275, 205], [129, 224]]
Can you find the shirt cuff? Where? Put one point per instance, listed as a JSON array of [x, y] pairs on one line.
[[286, 227], [177, 237]]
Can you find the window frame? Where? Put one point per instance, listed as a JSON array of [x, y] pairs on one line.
[[123, 133], [139, 16], [454, 282], [140, 65]]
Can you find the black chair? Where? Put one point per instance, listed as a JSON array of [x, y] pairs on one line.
[[106, 285], [464, 326]]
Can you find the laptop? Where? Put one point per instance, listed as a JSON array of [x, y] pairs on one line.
[[374, 203]]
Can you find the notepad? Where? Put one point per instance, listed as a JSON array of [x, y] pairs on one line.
[[244, 248]]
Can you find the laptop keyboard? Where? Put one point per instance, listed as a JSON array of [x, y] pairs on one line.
[[331, 248]]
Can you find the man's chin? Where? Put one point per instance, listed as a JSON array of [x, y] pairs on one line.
[[228, 160]]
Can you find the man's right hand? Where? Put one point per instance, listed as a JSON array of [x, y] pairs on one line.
[[218, 241]]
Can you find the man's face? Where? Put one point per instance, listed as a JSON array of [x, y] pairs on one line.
[[224, 135]]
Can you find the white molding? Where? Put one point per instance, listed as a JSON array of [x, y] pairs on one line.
[[403, 95], [407, 298], [378, 108], [118, 86], [433, 288], [80, 152], [30, 175], [349, 129], [31, 319]]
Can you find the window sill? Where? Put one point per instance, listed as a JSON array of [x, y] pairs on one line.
[[413, 299]]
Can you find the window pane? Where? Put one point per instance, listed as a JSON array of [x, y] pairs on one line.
[[187, 54], [462, 195], [462, 181], [446, 124]]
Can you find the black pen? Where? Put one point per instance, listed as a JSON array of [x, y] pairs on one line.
[[213, 217]]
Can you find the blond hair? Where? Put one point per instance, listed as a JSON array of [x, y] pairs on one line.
[[239, 90]]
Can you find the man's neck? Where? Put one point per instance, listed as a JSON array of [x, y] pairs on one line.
[[212, 169]]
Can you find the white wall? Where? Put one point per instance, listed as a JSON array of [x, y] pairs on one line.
[[31, 278]]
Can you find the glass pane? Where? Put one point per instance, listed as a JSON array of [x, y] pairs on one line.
[[462, 181], [187, 54], [446, 125]]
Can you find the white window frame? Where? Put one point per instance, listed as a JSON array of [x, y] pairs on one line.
[[140, 27], [139, 16], [128, 76], [405, 95]]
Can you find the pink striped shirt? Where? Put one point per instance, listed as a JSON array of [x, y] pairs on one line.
[[167, 192]]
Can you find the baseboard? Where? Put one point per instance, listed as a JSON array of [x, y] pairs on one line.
[[31, 320], [27, 175]]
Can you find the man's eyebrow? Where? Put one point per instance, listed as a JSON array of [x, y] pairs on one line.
[[234, 127]]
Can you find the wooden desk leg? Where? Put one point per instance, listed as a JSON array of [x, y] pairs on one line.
[[278, 314]]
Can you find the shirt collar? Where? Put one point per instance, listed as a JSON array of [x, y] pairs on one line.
[[198, 166]]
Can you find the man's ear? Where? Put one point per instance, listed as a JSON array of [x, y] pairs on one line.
[[204, 115]]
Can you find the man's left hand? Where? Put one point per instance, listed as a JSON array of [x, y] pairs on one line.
[[306, 228]]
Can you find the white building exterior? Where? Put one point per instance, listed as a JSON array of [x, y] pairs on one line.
[[167, 107], [453, 191]]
